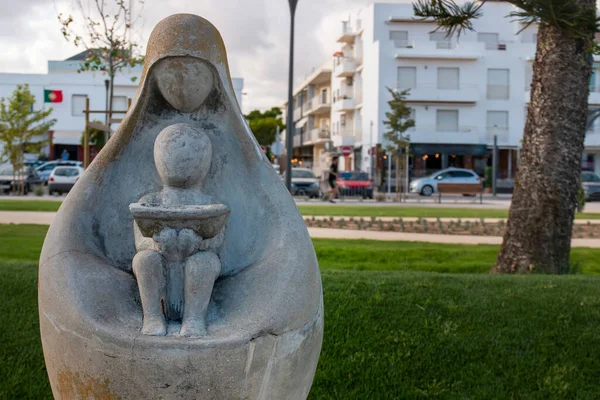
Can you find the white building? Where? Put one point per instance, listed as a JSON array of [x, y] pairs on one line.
[[75, 88], [463, 92]]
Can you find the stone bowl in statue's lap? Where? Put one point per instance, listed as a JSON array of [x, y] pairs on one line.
[[206, 220]]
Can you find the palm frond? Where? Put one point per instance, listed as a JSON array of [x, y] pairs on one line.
[[452, 18]]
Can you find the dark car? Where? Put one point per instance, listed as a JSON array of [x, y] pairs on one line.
[[9, 181], [355, 183], [591, 185]]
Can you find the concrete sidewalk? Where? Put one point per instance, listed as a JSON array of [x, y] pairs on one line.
[[46, 218], [327, 233]]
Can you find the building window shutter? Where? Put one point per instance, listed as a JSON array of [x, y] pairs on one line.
[[448, 78]]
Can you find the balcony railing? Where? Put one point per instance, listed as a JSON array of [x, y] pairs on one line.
[[445, 44], [404, 44], [345, 66], [318, 101], [317, 134], [498, 92], [442, 92], [502, 46]]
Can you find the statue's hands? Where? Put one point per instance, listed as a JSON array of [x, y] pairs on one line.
[[166, 241], [188, 242]]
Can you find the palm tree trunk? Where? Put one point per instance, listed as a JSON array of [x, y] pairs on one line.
[[538, 235]]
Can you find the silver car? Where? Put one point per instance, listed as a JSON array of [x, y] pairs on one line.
[[428, 185], [591, 185]]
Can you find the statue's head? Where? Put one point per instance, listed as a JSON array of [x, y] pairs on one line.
[[185, 82], [182, 155]]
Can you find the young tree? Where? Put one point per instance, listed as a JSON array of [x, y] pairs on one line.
[[398, 121], [19, 126], [96, 136], [538, 235], [264, 125], [104, 30]]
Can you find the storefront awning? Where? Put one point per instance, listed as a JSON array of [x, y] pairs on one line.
[[456, 149], [67, 137]]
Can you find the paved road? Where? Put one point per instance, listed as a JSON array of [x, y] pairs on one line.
[[46, 218]]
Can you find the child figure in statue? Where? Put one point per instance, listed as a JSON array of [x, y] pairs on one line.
[[176, 269]]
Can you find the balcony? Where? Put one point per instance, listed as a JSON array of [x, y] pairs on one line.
[[496, 46], [431, 93], [463, 134], [297, 113], [344, 137], [344, 67], [592, 137], [343, 104], [318, 105], [348, 33], [442, 50], [317, 135]]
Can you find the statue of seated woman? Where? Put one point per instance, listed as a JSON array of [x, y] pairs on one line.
[[129, 254]]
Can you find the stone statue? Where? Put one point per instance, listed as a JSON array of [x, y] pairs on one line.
[[179, 266]]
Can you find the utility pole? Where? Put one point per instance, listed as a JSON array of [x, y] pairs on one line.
[[371, 151], [494, 165], [290, 107]]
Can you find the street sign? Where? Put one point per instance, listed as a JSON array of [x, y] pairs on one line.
[[277, 149], [346, 150]]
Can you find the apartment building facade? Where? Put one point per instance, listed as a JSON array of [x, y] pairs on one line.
[[464, 91], [74, 89], [312, 120]]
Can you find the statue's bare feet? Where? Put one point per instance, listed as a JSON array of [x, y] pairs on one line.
[[193, 327], [154, 326]]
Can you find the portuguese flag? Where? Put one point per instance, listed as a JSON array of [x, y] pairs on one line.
[[53, 96]]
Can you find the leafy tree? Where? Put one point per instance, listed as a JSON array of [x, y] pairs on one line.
[[19, 126], [398, 121], [106, 27], [97, 137], [264, 124], [540, 223]]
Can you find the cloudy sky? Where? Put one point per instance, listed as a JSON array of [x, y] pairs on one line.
[[256, 33]]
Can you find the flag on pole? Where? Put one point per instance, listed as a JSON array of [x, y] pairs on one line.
[[53, 96]]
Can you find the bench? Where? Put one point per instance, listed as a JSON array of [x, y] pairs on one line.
[[460, 188]]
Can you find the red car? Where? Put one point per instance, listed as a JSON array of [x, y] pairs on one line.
[[355, 183]]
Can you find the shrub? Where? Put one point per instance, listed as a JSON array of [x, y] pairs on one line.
[[38, 190]]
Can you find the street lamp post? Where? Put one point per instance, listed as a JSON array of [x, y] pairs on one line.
[[289, 137], [106, 133]]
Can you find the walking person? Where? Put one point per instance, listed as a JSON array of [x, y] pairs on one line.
[[333, 173]]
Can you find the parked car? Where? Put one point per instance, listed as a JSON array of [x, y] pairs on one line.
[[355, 183], [11, 182], [46, 169], [304, 183], [62, 179], [591, 185], [428, 185]]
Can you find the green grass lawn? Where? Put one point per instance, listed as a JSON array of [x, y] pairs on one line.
[[393, 328], [29, 205], [319, 210]]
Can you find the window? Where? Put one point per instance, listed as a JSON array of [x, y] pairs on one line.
[[593, 78], [442, 40], [447, 120], [497, 119], [490, 39], [78, 104], [438, 37], [66, 172], [324, 96], [407, 77], [462, 174], [498, 84], [448, 78], [119, 103], [343, 120], [400, 38]]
